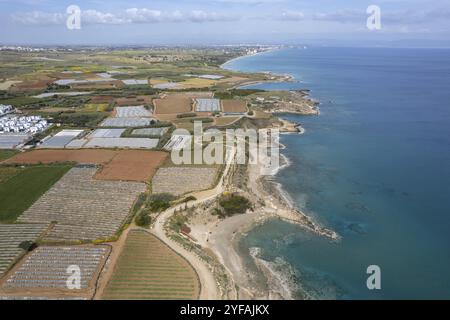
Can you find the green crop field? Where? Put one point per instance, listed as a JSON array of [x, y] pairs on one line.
[[5, 154], [21, 187], [149, 270]]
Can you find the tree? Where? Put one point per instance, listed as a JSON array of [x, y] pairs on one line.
[[143, 219]]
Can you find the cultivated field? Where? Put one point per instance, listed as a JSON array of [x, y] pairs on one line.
[[150, 132], [226, 121], [127, 122], [207, 105], [122, 143], [133, 165], [45, 272], [173, 104], [11, 236], [84, 208], [234, 106], [21, 187], [122, 165], [149, 270], [54, 156], [134, 100], [5, 154], [180, 180], [132, 112], [95, 107], [107, 133]]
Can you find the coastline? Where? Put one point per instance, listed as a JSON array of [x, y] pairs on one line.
[[213, 244], [223, 65], [254, 277], [262, 279]]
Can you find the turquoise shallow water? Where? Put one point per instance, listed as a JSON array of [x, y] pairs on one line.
[[375, 167]]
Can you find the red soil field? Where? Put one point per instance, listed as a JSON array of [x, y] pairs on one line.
[[134, 101], [132, 165], [234, 106], [122, 165]]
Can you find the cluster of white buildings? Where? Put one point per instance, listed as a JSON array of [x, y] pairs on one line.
[[5, 109], [20, 48], [25, 124]]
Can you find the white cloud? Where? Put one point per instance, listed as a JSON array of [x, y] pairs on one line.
[[39, 17], [293, 15], [129, 16]]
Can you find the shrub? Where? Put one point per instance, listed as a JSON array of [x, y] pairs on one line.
[[234, 204], [143, 219], [159, 202], [190, 198], [186, 115]]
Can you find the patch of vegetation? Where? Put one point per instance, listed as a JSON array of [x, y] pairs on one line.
[[90, 120], [230, 94], [231, 205], [143, 219], [204, 120], [27, 246], [139, 203], [186, 115], [5, 154], [178, 221], [7, 172], [159, 202], [190, 198], [95, 107], [19, 192], [19, 101]]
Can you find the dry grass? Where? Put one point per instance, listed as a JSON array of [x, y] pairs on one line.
[[94, 107], [197, 83], [181, 180], [7, 84]]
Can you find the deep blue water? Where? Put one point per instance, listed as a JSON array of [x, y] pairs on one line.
[[375, 167]]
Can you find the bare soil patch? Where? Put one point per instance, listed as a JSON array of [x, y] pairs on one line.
[[234, 106], [122, 165], [134, 101], [132, 165]]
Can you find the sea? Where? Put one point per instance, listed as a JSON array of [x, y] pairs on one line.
[[374, 167]]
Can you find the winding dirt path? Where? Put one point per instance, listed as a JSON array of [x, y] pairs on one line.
[[209, 289]]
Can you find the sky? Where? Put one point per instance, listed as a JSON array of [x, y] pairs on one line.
[[209, 22]]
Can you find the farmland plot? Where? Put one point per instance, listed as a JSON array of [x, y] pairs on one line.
[[123, 165], [122, 143], [21, 187], [147, 269], [150, 132], [46, 267], [173, 104], [234, 106], [132, 112], [84, 208], [180, 180], [11, 236], [127, 122], [207, 105]]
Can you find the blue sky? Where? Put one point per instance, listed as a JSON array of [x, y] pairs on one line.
[[224, 22]]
